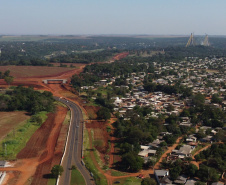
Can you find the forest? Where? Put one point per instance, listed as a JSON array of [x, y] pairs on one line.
[[27, 99]]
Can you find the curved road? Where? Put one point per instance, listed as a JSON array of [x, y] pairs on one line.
[[73, 150]]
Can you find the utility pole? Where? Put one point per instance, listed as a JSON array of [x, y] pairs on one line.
[[5, 149], [14, 132]]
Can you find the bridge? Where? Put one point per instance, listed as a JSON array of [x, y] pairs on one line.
[[64, 81]]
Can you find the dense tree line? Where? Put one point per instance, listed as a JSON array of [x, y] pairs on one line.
[[168, 89], [84, 79], [27, 99], [215, 157], [87, 58], [208, 115]]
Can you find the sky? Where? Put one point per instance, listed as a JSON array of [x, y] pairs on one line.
[[82, 17]]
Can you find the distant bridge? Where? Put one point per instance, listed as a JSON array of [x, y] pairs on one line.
[[64, 81]]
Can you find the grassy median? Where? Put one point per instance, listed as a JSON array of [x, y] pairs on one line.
[[77, 178]]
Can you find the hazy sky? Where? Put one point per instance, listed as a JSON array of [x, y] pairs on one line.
[[113, 17]]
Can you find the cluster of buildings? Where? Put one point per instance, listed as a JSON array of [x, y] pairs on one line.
[[163, 178], [203, 76]]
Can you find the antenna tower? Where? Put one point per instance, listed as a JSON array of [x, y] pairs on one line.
[[206, 41], [191, 41]]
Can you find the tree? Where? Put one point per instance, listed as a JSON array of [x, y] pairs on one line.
[[6, 73], [175, 172], [57, 170], [191, 170], [170, 108], [8, 79], [200, 183], [37, 119], [148, 181], [132, 162], [73, 167], [104, 113], [216, 99], [162, 144], [206, 173]]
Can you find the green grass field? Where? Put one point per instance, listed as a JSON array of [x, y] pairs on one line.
[[129, 181], [51, 182], [118, 173]]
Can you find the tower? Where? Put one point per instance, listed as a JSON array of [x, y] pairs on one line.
[[191, 41], [206, 41]]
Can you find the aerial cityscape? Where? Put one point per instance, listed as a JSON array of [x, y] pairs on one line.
[[112, 92]]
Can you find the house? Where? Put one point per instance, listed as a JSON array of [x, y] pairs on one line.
[[190, 182], [217, 183], [103, 82], [184, 151], [191, 138], [160, 174], [180, 180], [156, 143], [166, 181], [2, 164], [146, 151], [207, 139]]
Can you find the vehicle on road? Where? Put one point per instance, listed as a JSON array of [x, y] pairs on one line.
[[140, 176]]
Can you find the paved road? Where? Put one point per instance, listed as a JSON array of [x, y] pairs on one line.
[[73, 153]]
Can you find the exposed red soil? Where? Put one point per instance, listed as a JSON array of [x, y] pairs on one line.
[[120, 56], [50, 153], [100, 133], [68, 64], [112, 156], [91, 111], [95, 124]]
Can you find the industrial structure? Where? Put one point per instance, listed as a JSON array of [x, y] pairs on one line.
[[206, 41], [191, 41]]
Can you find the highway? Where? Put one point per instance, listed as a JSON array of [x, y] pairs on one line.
[[73, 150]]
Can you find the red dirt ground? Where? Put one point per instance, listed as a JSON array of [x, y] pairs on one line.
[[100, 133], [91, 111], [68, 64]]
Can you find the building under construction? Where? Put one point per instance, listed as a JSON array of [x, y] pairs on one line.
[[191, 41]]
